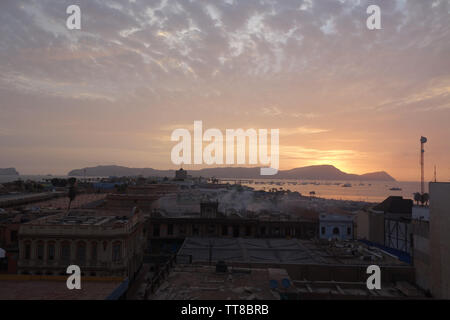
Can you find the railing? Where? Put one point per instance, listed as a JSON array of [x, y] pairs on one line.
[[75, 230]]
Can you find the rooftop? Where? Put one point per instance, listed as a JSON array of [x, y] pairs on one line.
[[81, 223], [336, 217], [19, 287], [200, 282], [355, 290], [284, 251], [80, 201], [395, 204], [82, 218], [192, 282]]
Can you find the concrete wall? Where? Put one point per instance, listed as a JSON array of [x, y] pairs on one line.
[[421, 253], [440, 239], [362, 225], [370, 226], [376, 223]]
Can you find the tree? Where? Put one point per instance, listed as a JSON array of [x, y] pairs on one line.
[[417, 197], [424, 199]]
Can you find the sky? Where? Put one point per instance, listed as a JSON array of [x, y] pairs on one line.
[[113, 92]]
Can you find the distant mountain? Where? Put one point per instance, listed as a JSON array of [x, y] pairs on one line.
[[9, 172], [118, 171], [323, 172], [378, 176]]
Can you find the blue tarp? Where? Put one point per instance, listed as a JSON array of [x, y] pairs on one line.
[[119, 291], [401, 255]]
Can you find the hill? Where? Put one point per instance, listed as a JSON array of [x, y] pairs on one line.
[[322, 172]]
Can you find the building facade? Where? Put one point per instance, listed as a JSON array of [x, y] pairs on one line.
[[99, 245], [336, 226], [165, 231], [440, 239]]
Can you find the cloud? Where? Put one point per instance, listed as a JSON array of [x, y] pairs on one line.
[[309, 66]]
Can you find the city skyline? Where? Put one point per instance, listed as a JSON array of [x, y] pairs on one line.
[[113, 92]]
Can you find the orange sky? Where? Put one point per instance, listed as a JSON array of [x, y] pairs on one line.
[[113, 92]]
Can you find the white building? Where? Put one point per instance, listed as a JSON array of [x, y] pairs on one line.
[[336, 226]]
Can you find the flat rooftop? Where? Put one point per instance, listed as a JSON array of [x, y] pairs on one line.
[[284, 251], [356, 290], [80, 200], [84, 218], [17, 287], [191, 282], [200, 282]]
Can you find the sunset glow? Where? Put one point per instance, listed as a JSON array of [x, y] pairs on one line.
[[112, 92]]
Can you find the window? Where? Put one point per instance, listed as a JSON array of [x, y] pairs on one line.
[[323, 230], [65, 251], [116, 254], [94, 252], [51, 251], [156, 230], [349, 231], [28, 251], [4, 264], [13, 236], [211, 229], [40, 251], [248, 231], [263, 231], [336, 231], [224, 230], [81, 252], [195, 230], [235, 231], [170, 229], [276, 231]]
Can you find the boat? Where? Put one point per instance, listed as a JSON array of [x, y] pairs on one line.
[[347, 185], [395, 189]]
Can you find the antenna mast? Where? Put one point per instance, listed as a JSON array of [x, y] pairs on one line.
[[423, 140]]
